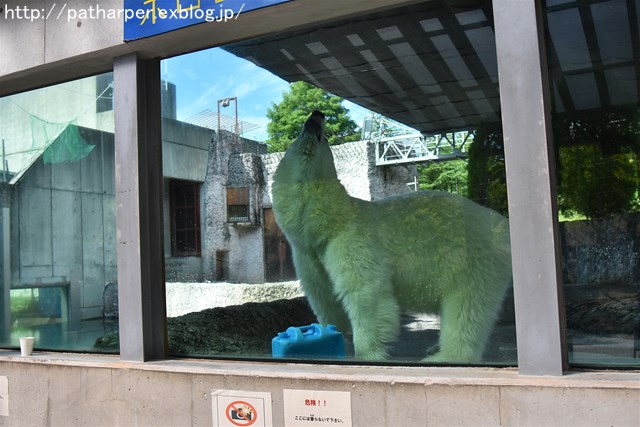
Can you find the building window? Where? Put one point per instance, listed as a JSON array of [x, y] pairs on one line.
[[185, 218], [57, 214], [339, 242], [238, 204], [593, 69], [405, 237]]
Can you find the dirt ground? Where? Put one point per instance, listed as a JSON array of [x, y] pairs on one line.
[[240, 330], [247, 330]]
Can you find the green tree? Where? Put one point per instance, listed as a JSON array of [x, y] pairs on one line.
[[450, 175], [486, 179], [598, 164], [288, 116]]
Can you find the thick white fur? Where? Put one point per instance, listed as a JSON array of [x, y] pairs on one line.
[[361, 262]]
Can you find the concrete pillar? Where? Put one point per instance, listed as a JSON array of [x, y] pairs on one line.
[[535, 248], [138, 154]]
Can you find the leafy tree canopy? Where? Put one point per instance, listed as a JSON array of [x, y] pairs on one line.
[[288, 116], [486, 179], [598, 163], [450, 175]]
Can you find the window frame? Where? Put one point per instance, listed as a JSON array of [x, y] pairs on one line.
[[517, 24], [519, 35], [238, 203]]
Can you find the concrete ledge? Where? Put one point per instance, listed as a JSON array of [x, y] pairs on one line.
[[74, 389], [424, 375]]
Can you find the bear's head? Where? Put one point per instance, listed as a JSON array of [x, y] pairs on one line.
[[309, 158]]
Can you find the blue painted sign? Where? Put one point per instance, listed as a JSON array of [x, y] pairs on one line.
[[146, 18]]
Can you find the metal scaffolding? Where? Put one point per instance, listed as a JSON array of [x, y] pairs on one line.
[[416, 148]]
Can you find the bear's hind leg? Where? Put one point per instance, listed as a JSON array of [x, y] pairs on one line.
[[467, 319]]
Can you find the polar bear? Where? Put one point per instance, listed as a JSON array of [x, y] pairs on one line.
[[360, 262]]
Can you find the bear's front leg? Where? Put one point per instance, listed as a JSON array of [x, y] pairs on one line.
[[363, 284], [318, 289], [375, 321]]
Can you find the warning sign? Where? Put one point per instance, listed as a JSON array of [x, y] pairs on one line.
[[316, 408], [241, 408]]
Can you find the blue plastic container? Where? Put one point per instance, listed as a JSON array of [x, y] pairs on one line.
[[313, 341]]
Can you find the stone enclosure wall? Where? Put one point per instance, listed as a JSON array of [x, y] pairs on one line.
[[602, 252]]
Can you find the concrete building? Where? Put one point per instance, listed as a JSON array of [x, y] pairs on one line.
[[435, 65]]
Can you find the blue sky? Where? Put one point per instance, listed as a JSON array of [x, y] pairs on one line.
[[204, 77]]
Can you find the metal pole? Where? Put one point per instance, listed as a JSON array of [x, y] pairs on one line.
[[4, 169], [235, 99]]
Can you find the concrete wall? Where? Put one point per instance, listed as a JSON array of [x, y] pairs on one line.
[[44, 390], [54, 39], [270, 163], [63, 215], [184, 150], [182, 269], [63, 224]]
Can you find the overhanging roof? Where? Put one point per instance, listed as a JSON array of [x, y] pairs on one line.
[[433, 67], [597, 66]]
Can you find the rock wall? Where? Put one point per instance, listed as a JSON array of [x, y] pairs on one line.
[[227, 167], [602, 251], [183, 298], [357, 171]]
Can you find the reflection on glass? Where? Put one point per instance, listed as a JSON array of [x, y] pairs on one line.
[[58, 216], [597, 140], [411, 103]]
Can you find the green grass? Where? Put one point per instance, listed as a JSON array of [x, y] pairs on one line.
[[570, 216]]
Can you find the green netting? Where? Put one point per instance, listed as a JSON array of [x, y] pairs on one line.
[[61, 142], [69, 146]]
